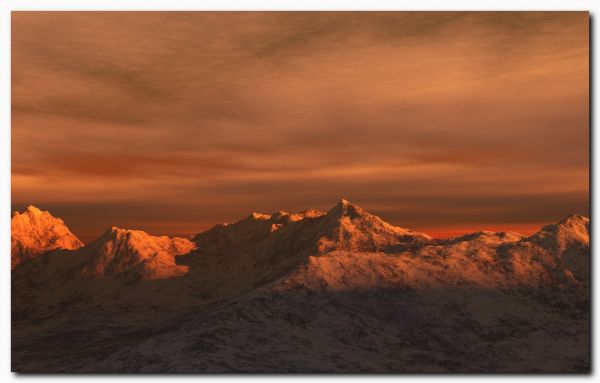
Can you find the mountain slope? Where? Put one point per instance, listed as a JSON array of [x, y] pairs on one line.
[[261, 248], [558, 254], [35, 232], [118, 254], [344, 227], [455, 305], [558, 251], [123, 253], [348, 227], [340, 291]]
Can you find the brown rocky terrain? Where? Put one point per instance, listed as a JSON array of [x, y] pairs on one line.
[[341, 291]]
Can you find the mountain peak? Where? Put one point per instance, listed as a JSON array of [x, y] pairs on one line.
[[113, 233], [311, 213], [135, 253], [575, 218], [115, 230], [571, 223], [349, 227], [34, 232], [346, 209], [34, 210], [255, 215]]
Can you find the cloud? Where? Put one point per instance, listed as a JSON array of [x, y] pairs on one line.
[[219, 111]]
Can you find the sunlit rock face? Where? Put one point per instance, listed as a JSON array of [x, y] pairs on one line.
[[559, 252], [120, 252], [557, 255], [35, 232], [344, 227], [116, 253], [350, 228]]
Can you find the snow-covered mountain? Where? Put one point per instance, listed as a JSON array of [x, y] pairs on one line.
[[340, 290], [120, 252]]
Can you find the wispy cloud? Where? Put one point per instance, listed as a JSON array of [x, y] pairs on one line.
[[218, 112]]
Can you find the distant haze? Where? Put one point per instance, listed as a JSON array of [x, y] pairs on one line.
[[171, 122]]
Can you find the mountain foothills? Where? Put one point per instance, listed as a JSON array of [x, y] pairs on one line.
[[336, 291]]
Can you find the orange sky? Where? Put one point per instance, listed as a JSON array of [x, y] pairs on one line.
[[171, 122]]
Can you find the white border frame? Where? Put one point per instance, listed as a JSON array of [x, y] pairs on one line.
[[6, 6]]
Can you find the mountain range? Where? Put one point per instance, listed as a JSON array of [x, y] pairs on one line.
[[335, 291]]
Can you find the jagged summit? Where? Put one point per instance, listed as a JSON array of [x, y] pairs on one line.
[[349, 227], [310, 213], [575, 221], [134, 253], [30, 210], [34, 210], [281, 215], [292, 217], [113, 231], [344, 227], [35, 232], [255, 215], [575, 217], [119, 234], [345, 208], [574, 227], [344, 202]]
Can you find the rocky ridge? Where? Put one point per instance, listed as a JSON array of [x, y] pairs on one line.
[[316, 291]]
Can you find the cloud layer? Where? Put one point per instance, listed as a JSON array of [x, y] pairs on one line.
[[173, 121]]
